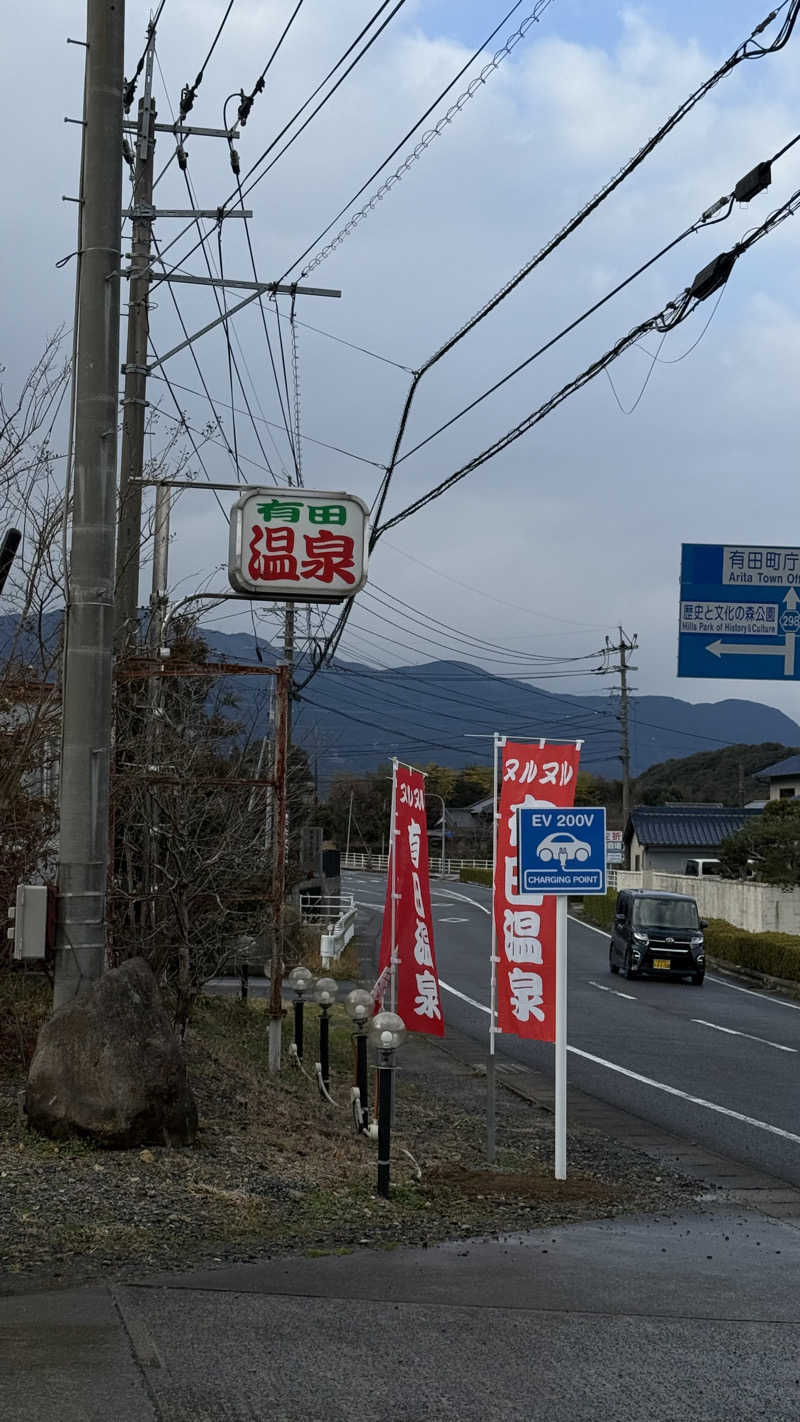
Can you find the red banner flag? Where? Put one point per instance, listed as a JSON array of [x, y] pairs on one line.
[[525, 924], [418, 998]]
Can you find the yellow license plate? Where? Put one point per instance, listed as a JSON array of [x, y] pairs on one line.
[[661, 963]]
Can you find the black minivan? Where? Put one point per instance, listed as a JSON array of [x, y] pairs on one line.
[[657, 933]]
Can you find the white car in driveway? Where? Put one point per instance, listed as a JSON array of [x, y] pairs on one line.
[[563, 847]]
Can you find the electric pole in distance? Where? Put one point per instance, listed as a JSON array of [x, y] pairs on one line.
[[89, 619], [134, 403], [622, 649]]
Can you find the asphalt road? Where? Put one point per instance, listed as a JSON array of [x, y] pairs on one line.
[[719, 1065]]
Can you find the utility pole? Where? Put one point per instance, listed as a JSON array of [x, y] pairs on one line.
[[622, 648], [89, 621], [281, 729], [134, 403]]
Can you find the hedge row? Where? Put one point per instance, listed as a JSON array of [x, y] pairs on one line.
[[777, 954], [475, 876]]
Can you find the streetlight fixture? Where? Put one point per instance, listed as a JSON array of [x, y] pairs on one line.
[[300, 980], [359, 1004], [325, 995], [431, 795], [388, 1031]]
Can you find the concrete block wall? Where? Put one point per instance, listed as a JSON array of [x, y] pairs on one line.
[[758, 908]]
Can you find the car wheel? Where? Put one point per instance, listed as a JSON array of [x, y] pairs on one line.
[[545, 855], [697, 979], [581, 856], [628, 970], [612, 966]]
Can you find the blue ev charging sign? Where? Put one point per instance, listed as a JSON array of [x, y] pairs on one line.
[[561, 851]]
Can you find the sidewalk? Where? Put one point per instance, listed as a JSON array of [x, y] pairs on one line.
[[646, 1318]]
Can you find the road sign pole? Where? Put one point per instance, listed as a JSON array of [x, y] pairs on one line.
[[561, 1038]]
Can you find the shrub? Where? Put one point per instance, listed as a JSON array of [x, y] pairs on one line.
[[475, 876], [599, 908], [777, 954]]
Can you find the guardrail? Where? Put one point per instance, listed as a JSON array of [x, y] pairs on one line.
[[335, 915], [380, 862]]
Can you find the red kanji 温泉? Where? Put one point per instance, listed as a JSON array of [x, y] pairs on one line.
[[328, 556], [272, 555]]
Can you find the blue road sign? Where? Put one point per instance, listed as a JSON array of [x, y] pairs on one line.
[[561, 851], [740, 612]]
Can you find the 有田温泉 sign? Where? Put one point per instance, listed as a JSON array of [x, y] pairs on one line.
[[739, 612], [532, 777], [298, 544]]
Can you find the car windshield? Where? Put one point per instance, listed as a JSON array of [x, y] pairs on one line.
[[665, 913]]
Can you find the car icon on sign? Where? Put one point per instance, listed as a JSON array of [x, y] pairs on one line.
[[563, 847]]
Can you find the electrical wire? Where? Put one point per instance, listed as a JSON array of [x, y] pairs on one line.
[[129, 92], [425, 142], [272, 424], [748, 49], [258, 88], [671, 316], [189, 91]]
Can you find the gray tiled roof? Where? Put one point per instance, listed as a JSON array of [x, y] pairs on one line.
[[790, 766], [685, 826]]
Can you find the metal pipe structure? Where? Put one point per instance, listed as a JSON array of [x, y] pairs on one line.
[[385, 1073]]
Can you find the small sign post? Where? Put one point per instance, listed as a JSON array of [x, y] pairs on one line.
[[298, 545], [561, 852]]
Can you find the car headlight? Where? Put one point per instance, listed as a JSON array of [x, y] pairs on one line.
[[641, 938], [696, 940]]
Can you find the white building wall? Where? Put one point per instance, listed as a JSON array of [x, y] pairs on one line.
[[758, 908]]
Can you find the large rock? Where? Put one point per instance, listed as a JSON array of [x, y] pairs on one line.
[[108, 1065]]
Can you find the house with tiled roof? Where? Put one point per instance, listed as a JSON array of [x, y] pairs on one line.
[[783, 778], [664, 837]]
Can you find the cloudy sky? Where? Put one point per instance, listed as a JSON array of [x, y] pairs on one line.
[[577, 527]]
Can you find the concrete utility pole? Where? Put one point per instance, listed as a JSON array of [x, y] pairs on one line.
[[282, 696], [89, 622], [623, 647], [134, 402]]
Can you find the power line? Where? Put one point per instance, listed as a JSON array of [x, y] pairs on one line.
[[748, 49], [189, 91], [672, 315], [425, 142], [129, 91], [258, 88], [272, 424]]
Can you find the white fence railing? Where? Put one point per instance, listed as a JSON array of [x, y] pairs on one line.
[[335, 916], [380, 862]]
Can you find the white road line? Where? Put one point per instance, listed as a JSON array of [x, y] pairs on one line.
[[453, 920], [362, 903], [685, 1096], [751, 992], [605, 932], [711, 977], [732, 1032], [648, 1080], [615, 991], [451, 894], [464, 998]]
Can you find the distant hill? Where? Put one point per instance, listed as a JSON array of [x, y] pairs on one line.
[[352, 717], [727, 775]]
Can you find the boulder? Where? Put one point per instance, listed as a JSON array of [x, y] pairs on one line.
[[108, 1065]]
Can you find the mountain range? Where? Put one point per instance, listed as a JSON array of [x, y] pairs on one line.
[[352, 717]]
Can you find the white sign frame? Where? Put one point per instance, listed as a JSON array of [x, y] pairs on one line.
[[294, 589]]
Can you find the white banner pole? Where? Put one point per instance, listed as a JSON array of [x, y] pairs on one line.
[[393, 891], [490, 1064], [561, 1038]]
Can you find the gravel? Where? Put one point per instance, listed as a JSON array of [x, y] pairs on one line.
[[277, 1170]]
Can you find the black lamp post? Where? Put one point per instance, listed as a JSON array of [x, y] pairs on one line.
[[388, 1031], [325, 995], [359, 1004], [300, 980]]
